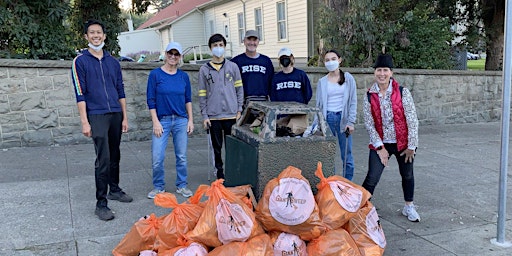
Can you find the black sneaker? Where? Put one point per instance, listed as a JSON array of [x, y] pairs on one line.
[[104, 213], [119, 196]]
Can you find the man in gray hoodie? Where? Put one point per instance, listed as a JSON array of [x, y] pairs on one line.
[[221, 97]]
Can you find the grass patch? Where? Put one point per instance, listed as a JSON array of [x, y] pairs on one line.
[[476, 64]]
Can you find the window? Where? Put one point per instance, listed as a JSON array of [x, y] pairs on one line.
[[258, 21], [212, 28], [281, 21], [241, 26]]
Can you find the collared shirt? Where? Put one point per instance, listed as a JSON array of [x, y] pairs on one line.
[[389, 134]]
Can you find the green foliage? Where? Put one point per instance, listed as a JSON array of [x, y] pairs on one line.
[[34, 29], [313, 62], [410, 31], [189, 57], [107, 12]]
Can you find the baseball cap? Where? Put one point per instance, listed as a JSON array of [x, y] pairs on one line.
[[174, 45], [285, 51], [251, 33]]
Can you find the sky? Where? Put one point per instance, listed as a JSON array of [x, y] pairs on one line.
[[125, 4]]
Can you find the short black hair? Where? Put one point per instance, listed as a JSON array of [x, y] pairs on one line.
[[93, 22], [216, 38]]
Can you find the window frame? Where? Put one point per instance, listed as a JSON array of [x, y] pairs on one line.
[[241, 26], [282, 24], [259, 27]]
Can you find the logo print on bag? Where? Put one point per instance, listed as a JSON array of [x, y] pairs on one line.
[[294, 252], [233, 225], [343, 191], [290, 200]]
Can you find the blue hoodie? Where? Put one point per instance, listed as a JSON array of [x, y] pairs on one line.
[[98, 82]]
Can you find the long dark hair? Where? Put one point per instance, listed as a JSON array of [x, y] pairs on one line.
[[342, 75]]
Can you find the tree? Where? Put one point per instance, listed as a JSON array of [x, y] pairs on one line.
[[141, 6], [410, 30], [482, 19], [34, 29]]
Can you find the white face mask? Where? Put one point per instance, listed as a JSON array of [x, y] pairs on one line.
[[97, 48], [332, 65], [218, 51]]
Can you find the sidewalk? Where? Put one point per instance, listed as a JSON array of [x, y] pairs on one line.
[[48, 195]]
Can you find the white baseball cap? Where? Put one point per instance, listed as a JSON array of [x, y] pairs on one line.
[[285, 51], [174, 45]]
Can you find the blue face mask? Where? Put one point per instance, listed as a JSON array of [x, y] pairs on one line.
[[332, 65], [97, 48], [218, 51]]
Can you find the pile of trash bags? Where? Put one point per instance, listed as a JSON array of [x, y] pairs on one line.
[[287, 220]]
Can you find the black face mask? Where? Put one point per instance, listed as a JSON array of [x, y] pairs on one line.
[[285, 62]]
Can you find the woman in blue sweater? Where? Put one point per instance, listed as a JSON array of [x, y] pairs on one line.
[[337, 99], [169, 98]]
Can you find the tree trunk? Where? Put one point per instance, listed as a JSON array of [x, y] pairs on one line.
[[493, 16]]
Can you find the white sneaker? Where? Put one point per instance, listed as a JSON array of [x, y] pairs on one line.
[[153, 193], [410, 212], [184, 191]]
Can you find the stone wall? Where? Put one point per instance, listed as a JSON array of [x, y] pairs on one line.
[[38, 107]]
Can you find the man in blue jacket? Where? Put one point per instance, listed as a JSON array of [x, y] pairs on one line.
[[99, 90]]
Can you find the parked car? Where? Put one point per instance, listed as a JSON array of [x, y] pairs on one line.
[[125, 58], [472, 56]]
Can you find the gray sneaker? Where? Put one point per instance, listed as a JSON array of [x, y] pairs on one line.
[[410, 212], [104, 213], [154, 192], [184, 191]]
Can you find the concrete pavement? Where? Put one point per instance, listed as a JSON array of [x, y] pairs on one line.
[[47, 195]]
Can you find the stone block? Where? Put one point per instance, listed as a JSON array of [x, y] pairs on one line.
[[11, 118], [3, 73], [17, 127], [66, 111], [60, 98], [4, 104], [70, 121], [10, 144], [37, 138], [62, 82], [72, 139], [38, 83], [9, 85], [11, 136], [27, 101], [22, 72], [41, 119]]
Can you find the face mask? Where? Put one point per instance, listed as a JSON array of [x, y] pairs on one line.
[[285, 62], [218, 51], [97, 48], [332, 65]]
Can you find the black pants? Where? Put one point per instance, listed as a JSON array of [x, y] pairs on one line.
[[106, 134], [218, 131], [375, 169]]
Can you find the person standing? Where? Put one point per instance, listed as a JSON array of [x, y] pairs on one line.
[[290, 84], [256, 69], [221, 97], [169, 99], [392, 124], [336, 98], [98, 83]]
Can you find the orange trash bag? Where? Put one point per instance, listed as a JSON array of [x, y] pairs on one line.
[[338, 199], [287, 244], [288, 205], [181, 220], [367, 232], [243, 192], [257, 246], [185, 248], [225, 219], [141, 237], [336, 242]]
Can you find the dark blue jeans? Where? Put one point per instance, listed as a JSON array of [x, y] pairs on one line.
[[375, 169], [106, 135], [334, 121]]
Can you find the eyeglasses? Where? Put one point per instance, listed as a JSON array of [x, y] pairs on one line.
[[176, 54]]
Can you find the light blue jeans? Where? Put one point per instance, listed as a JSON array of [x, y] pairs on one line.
[[334, 121], [177, 127]]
